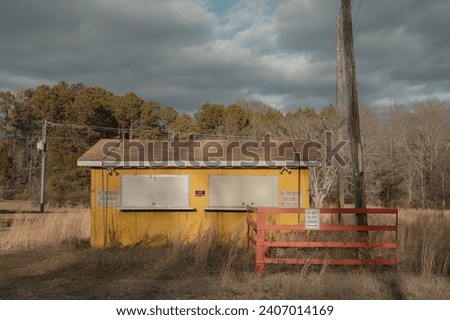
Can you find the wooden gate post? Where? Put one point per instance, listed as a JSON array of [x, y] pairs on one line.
[[260, 238]]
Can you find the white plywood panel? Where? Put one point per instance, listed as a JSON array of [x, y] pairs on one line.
[[154, 191], [238, 191]]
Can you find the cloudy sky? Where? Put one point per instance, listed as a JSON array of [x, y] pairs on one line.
[[184, 53]]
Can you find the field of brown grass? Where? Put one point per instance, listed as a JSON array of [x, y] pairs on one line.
[[48, 257]]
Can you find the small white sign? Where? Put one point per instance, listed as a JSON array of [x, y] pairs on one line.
[[312, 219]]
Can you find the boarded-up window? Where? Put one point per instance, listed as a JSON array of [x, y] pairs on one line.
[[239, 191], [155, 192]]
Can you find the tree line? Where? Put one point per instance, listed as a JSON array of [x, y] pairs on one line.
[[406, 149]]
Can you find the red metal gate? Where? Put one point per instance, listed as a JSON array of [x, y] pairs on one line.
[[266, 237]]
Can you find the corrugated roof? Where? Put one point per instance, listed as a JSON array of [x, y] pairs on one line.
[[200, 153]]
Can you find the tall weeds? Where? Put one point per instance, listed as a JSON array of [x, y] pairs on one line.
[[28, 231], [424, 245]]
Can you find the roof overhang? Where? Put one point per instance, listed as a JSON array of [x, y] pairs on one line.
[[201, 154], [198, 164]]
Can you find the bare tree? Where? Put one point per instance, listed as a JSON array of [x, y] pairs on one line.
[[321, 181]]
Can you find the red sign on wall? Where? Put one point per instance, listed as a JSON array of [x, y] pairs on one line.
[[200, 193]]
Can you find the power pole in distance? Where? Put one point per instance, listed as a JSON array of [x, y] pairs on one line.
[[42, 148], [353, 117]]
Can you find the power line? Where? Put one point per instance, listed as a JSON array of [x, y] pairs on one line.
[[357, 12], [74, 125]]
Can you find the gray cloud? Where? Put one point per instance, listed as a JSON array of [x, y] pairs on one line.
[[179, 53]]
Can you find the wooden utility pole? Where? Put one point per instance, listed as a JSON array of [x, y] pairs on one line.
[[339, 69], [353, 116], [340, 108], [42, 147]]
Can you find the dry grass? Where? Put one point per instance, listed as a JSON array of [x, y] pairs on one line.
[[65, 267], [29, 231], [424, 242]]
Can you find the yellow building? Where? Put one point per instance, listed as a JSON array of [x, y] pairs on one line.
[[155, 191]]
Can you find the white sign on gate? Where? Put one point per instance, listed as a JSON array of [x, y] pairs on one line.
[[312, 219]]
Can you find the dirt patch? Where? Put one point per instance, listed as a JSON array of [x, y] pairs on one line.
[[77, 274]]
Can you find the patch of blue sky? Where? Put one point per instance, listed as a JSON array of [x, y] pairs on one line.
[[221, 7], [235, 16]]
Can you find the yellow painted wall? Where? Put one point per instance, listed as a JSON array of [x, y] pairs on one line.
[[111, 226]]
